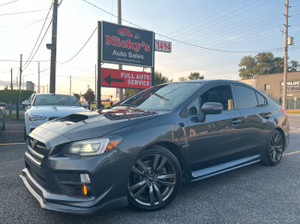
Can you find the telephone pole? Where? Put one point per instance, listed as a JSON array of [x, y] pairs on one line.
[[52, 47], [285, 70], [20, 86], [11, 79], [39, 74], [70, 84], [120, 22]]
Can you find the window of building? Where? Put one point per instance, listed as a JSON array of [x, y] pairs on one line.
[[267, 87]]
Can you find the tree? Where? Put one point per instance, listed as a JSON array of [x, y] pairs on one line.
[[195, 76], [263, 63], [158, 79], [192, 76], [182, 78], [89, 96], [77, 96]]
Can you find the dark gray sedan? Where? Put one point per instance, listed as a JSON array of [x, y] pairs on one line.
[[143, 149]]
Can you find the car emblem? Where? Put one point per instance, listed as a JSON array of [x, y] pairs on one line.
[[33, 143]]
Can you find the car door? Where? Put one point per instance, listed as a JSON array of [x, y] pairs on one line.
[[254, 118], [218, 139]]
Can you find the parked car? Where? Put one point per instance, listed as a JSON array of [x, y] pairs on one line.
[[41, 108], [143, 149], [2, 115]]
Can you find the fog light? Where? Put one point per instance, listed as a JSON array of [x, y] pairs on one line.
[[85, 178], [84, 190]]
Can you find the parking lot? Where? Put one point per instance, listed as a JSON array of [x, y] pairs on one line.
[[253, 194]]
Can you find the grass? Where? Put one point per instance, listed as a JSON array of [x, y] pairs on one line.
[[294, 111]]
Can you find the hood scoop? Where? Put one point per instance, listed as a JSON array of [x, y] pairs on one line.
[[74, 118]]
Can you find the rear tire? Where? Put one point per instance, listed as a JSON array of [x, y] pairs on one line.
[[274, 150], [154, 180]]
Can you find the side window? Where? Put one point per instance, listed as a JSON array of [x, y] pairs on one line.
[[220, 94], [192, 108], [245, 97], [262, 101]]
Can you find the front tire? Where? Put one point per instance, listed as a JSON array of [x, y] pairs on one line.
[[154, 180], [274, 149]]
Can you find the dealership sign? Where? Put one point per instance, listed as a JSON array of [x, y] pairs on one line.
[[126, 45], [125, 79], [291, 86]]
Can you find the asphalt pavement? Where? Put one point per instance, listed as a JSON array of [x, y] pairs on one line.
[[253, 194]]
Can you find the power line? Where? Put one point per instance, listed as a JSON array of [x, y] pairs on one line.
[[18, 13], [7, 3], [39, 35], [80, 48], [177, 40], [38, 46], [18, 61]]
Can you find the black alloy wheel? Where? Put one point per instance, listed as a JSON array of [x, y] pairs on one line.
[[154, 179], [275, 149]]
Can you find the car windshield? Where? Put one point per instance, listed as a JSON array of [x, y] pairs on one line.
[[163, 97], [61, 100]]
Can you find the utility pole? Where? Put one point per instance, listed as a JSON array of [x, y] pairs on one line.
[[11, 79], [120, 22], [20, 86], [70, 84], [285, 70], [39, 74], [52, 47], [95, 81]]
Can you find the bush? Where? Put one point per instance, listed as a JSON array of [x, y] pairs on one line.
[[11, 96]]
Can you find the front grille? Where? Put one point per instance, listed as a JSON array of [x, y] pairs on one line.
[[37, 176], [36, 150]]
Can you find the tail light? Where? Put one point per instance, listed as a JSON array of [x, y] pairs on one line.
[[283, 111]]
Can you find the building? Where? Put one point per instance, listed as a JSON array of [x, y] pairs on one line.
[[29, 85], [272, 86]]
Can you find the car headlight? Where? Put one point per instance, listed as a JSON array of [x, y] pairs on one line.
[[92, 147], [36, 117]]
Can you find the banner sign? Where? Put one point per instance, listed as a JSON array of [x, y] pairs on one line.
[[291, 86], [126, 45], [125, 79], [163, 46]]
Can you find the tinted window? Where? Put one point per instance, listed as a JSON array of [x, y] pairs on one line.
[[163, 97], [220, 94], [245, 97], [261, 100]]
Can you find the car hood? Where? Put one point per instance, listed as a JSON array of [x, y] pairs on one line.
[[55, 111], [87, 125]]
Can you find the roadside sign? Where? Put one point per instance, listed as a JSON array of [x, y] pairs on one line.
[[126, 45], [125, 79], [163, 46]]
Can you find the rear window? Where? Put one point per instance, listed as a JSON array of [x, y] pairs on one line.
[[245, 97]]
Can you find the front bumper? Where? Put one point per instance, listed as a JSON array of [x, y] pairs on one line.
[[67, 204], [53, 180]]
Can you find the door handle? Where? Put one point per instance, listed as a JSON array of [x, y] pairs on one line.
[[235, 122], [267, 115]]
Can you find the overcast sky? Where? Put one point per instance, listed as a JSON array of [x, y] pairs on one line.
[[223, 26]]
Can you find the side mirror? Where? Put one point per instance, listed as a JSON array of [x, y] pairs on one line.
[[212, 108], [26, 103], [209, 108]]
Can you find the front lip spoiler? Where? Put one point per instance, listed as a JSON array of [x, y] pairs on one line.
[[84, 206]]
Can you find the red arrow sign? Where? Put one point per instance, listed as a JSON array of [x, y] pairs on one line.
[[125, 79]]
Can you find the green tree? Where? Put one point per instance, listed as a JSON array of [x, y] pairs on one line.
[[89, 96], [183, 78], [192, 76], [263, 63], [77, 96], [195, 76], [158, 79]]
